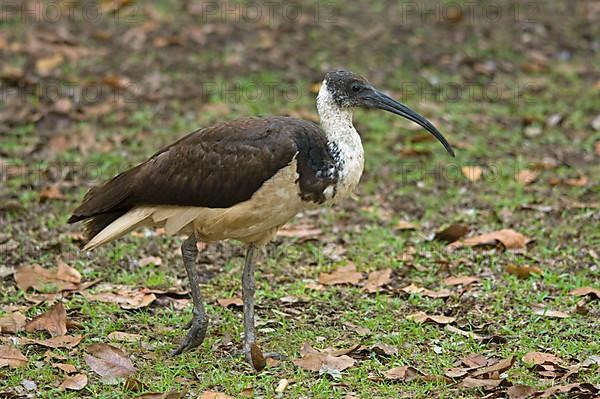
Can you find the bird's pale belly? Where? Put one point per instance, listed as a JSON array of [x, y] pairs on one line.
[[257, 219]]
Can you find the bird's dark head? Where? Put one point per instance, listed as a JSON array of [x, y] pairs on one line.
[[348, 90]]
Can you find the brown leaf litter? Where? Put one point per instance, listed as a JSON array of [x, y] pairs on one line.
[[11, 357], [343, 275], [424, 318], [415, 289], [235, 301], [54, 321], [586, 291], [314, 360], [377, 279], [451, 233], [461, 280], [61, 278], [12, 323], [523, 271], [126, 297], [75, 382], [508, 238], [109, 362]]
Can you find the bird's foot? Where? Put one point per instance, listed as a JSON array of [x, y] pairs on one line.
[[195, 335]]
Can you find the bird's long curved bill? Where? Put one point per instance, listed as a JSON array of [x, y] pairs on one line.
[[385, 102]]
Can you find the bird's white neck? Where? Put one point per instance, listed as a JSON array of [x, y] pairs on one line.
[[344, 142]]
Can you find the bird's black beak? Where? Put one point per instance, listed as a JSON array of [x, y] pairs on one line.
[[377, 99]]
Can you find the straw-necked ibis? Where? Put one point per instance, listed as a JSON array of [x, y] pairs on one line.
[[241, 179]]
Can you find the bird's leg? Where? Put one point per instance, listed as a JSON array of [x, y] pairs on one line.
[[248, 288], [199, 322]]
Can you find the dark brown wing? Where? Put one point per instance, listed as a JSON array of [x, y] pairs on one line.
[[216, 167]]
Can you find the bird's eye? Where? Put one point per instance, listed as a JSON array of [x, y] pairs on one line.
[[355, 87]]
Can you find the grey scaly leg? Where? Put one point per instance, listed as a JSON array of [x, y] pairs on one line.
[[248, 288], [199, 322]]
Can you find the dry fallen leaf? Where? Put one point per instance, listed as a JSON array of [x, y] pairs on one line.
[[472, 173], [470, 382], [451, 233], [584, 291], [75, 383], [335, 352], [469, 334], [461, 280], [150, 260], [422, 317], [538, 358], [235, 301], [360, 330], [415, 289], [62, 106], [520, 392], [494, 369], [44, 66], [473, 361], [523, 271], [67, 368], [282, 385], [100, 109], [126, 297], [581, 181], [116, 81], [51, 192], [315, 360], [172, 394], [314, 286], [584, 388], [342, 275], [135, 385], [214, 395], [61, 278], [62, 341], [402, 373], [12, 357], [455, 372], [377, 279], [258, 359], [509, 238], [527, 176], [384, 349], [443, 293], [54, 321], [12, 323], [541, 310], [109, 362]]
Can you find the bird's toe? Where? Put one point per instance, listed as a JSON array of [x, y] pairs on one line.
[[194, 337]]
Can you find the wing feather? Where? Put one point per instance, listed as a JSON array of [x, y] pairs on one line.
[[215, 167]]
